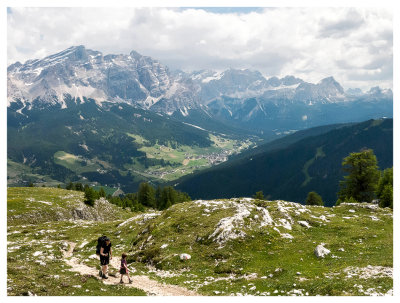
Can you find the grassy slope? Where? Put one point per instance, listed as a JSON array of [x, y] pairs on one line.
[[35, 236], [260, 263]]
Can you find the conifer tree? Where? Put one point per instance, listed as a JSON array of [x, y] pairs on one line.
[[102, 193], [384, 190], [146, 195], [362, 179]]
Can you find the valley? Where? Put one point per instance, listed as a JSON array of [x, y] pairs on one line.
[[117, 146], [119, 120], [223, 151], [291, 167]]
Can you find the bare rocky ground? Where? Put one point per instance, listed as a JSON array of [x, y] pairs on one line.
[[150, 286]]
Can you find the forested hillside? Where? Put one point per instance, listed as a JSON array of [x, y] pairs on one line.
[[289, 173]]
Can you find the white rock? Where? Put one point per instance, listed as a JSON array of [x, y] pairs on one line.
[[320, 251], [83, 244], [185, 256], [304, 223], [164, 246], [352, 211]]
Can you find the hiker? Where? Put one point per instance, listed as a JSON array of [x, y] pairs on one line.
[[105, 257], [124, 269]]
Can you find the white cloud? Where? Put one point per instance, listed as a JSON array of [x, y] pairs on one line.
[[352, 44]]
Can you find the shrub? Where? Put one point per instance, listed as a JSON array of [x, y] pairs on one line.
[[314, 199], [386, 197], [259, 195]]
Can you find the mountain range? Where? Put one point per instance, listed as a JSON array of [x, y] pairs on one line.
[[240, 98], [79, 115]]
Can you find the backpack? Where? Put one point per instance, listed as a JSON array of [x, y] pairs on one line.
[[100, 242]]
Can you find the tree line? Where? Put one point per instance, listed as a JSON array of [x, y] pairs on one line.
[[364, 182], [147, 196]]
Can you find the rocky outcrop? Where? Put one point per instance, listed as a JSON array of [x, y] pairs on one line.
[[101, 211]]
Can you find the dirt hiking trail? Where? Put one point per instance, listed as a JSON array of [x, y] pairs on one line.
[[151, 287]]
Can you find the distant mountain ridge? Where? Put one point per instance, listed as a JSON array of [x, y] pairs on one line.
[[232, 96]]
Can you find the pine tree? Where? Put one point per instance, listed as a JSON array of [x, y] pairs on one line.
[[164, 198], [158, 197], [146, 195], [90, 196], [102, 193], [384, 190], [362, 179]]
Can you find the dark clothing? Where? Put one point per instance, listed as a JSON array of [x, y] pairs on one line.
[[123, 269], [105, 260], [106, 248]]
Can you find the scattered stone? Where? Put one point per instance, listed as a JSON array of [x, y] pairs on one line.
[[83, 244], [304, 223], [298, 273], [320, 251], [164, 246], [341, 249], [369, 272], [185, 256]]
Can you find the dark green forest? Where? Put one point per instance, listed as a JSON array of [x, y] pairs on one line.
[[291, 172]]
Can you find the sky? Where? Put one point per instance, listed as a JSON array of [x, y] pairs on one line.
[[354, 45]]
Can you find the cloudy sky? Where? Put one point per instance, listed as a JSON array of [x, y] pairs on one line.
[[355, 45]]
